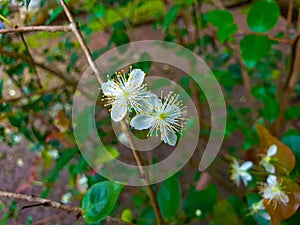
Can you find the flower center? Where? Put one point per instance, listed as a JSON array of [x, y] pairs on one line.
[[163, 116]]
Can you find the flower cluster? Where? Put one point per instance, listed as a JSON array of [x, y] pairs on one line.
[[162, 115], [272, 190]]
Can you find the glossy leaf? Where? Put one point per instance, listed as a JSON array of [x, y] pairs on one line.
[[100, 201], [224, 21], [147, 217], [169, 197], [285, 156], [203, 200], [171, 16], [271, 109], [292, 139], [263, 16], [254, 47]]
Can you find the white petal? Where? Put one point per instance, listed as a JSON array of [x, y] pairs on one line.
[[284, 198], [272, 150], [246, 177], [119, 110], [150, 103], [272, 180], [265, 215], [110, 88], [269, 167], [246, 166], [169, 137], [136, 78], [142, 122]]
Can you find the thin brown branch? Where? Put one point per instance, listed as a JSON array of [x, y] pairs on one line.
[[289, 18], [58, 28], [143, 173], [97, 73], [79, 37], [289, 86], [57, 205], [32, 60], [45, 202]]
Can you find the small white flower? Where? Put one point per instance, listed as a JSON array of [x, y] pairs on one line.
[[66, 198], [83, 184], [266, 160], [259, 209], [239, 173], [163, 116], [54, 153], [273, 191], [124, 93]]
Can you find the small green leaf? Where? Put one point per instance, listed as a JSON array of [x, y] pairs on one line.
[[224, 21], [84, 125], [171, 16], [27, 2], [219, 18], [1, 87], [127, 216], [293, 112], [254, 47], [292, 139], [147, 217], [263, 16], [169, 197], [100, 201], [271, 109]]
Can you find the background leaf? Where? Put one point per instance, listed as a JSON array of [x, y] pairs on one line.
[[169, 197], [263, 16], [100, 200]]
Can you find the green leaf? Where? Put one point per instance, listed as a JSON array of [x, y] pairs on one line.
[[292, 113], [224, 212], [147, 217], [224, 21], [169, 197], [127, 216], [66, 156], [100, 200], [219, 18], [271, 109], [292, 139], [84, 125], [203, 200], [1, 87], [171, 16], [263, 16], [27, 2], [254, 47]]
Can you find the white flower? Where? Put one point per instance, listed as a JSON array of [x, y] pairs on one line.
[[239, 173], [54, 153], [124, 93], [163, 116], [66, 198], [266, 160], [259, 209], [273, 191]]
